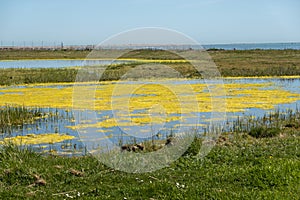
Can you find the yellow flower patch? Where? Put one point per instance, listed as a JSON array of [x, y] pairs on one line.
[[152, 102], [32, 139]]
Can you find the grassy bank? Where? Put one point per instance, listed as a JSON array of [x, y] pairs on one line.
[[41, 54], [230, 63], [257, 62], [240, 166]]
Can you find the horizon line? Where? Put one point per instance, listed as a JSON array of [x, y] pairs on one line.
[[46, 44]]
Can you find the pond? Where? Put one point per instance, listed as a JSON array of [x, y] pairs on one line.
[[135, 111], [54, 63]]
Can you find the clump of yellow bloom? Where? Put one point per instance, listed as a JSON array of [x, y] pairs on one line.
[[32, 139]]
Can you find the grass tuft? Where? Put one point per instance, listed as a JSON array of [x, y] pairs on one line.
[[263, 132]]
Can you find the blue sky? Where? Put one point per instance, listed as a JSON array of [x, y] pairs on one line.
[[91, 21]]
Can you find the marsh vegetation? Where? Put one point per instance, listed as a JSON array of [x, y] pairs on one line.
[[256, 153]]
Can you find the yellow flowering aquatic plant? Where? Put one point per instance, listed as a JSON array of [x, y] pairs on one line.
[[32, 139], [155, 103]]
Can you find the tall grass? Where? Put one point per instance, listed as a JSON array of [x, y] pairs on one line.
[[271, 121], [12, 116], [26, 76]]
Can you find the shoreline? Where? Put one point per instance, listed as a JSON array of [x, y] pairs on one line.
[[67, 75]]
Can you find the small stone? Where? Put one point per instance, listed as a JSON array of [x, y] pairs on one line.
[[76, 172], [40, 181], [58, 167]]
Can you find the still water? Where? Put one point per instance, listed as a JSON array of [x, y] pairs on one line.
[[55, 63], [279, 93]]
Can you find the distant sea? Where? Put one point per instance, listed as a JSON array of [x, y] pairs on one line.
[[241, 46], [295, 45]]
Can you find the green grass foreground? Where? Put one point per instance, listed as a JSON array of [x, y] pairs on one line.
[[230, 63], [242, 169], [242, 165]]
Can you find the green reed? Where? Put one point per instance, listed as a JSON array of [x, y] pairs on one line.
[[13, 116]]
